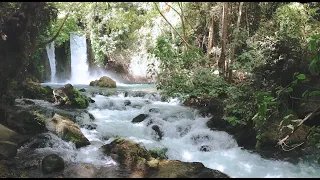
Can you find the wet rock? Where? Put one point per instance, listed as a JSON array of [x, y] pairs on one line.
[[159, 154], [104, 81], [27, 122], [34, 90], [91, 116], [68, 95], [82, 170], [41, 141], [178, 169], [137, 159], [137, 106], [139, 118], [52, 163], [27, 101], [138, 93], [8, 150], [127, 102], [90, 126], [82, 90], [7, 134], [129, 155], [126, 94], [149, 122], [68, 130], [91, 100], [154, 110], [125, 152], [159, 133], [205, 148]]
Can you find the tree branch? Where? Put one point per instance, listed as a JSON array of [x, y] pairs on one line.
[[308, 100], [282, 141], [57, 34], [181, 16], [171, 25]]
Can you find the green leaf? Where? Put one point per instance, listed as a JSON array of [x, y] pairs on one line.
[[301, 76], [289, 89], [314, 93]]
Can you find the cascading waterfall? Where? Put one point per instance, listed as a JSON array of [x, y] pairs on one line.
[[79, 66], [52, 61]]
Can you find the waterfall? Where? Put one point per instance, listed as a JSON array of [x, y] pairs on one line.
[[52, 61], [79, 66]]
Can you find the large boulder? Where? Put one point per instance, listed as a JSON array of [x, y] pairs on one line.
[[68, 130], [27, 122], [179, 169], [7, 134], [52, 163], [81, 170], [8, 150], [136, 158], [34, 90], [67, 95], [104, 81]]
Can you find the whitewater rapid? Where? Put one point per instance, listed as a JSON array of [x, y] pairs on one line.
[[184, 134]]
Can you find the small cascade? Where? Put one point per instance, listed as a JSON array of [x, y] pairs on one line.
[[52, 61]]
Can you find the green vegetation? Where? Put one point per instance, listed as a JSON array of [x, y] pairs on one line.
[[78, 100], [159, 154]]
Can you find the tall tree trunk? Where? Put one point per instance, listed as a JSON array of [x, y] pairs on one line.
[[234, 46], [211, 37], [222, 60]]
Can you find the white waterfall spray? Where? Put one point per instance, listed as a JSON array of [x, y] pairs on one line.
[[52, 61], [79, 66]]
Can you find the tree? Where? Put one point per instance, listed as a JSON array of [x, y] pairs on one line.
[[234, 45], [211, 34], [224, 21]]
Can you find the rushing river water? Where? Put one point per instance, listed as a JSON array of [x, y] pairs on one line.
[[184, 133]]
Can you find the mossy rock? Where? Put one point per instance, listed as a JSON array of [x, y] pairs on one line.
[[131, 155], [52, 163], [159, 154], [104, 81], [125, 152], [34, 90], [69, 131], [27, 122], [178, 169], [79, 100]]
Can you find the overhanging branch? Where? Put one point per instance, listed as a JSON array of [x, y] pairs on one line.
[[172, 26], [56, 35]]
